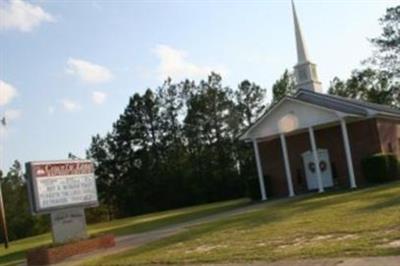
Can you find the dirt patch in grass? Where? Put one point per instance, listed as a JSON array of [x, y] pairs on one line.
[[391, 244], [347, 237], [205, 248], [302, 241]]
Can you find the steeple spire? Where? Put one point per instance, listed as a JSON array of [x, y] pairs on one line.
[[305, 71], [302, 55]]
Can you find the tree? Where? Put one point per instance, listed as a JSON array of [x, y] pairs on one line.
[[209, 136], [138, 153], [284, 86], [250, 101], [177, 146], [102, 152], [172, 147], [368, 85], [21, 223], [387, 55]]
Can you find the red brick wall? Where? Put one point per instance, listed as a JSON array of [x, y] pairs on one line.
[[296, 145], [51, 255], [273, 167], [389, 135], [364, 140]]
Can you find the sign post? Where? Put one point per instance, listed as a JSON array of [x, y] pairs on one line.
[[3, 219], [63, 189]]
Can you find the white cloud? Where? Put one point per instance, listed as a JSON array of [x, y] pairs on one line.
[[87, 71], [174, 64], [70, 106], [7, 93], [20, 15], [12, 114], [99, 97]]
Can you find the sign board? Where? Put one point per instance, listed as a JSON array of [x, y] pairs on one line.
[[55, 185], [68, 225]]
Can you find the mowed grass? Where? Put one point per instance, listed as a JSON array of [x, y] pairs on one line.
[[364, 222], [16, 252]]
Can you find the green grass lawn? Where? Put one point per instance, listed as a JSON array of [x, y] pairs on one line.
[[364, 222], [137, 224]]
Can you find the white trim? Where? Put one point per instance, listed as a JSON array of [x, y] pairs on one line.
[[66, 161], [316, 159], [287, 98], [244, 136], [287, 165], [348, 153], [259, 171]]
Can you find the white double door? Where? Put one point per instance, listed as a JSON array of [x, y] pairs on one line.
[[324, 166]]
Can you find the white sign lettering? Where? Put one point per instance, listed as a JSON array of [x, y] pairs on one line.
[[66, 190]]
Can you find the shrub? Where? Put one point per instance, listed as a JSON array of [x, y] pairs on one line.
[[253, 188], [380, 167]]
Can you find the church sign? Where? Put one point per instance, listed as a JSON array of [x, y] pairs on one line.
[[55, 185]]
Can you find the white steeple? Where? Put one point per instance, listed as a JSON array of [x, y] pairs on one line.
[[305, 71]]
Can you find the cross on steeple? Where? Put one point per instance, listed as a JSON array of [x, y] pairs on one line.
[[305, 70]]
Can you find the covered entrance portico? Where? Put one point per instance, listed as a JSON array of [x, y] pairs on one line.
[[288, 122]]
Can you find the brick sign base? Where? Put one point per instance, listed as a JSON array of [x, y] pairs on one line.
[[50, 255]]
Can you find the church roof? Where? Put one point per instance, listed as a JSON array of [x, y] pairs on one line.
[[315, 100], [346, 105]]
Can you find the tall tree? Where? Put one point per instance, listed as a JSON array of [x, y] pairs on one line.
[[250, 100], [172, 147], [137, 154], [102, 152], [368, 85], [284, 86], [387, 55], [21, 223], [207, 128], [182, 138]]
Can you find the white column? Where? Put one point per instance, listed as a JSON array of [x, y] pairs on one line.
[[348, 153], [259, 171], [287, 166], [316, 159]]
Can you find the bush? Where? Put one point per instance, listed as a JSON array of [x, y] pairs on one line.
[[380, 167], [253, 188], [97, 214]]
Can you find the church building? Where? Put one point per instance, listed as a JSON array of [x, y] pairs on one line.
[[315, 141]]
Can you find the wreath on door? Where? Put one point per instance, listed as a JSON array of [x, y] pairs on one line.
[[322, 166]]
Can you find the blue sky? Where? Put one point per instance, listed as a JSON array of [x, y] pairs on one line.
[[67, 68]]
